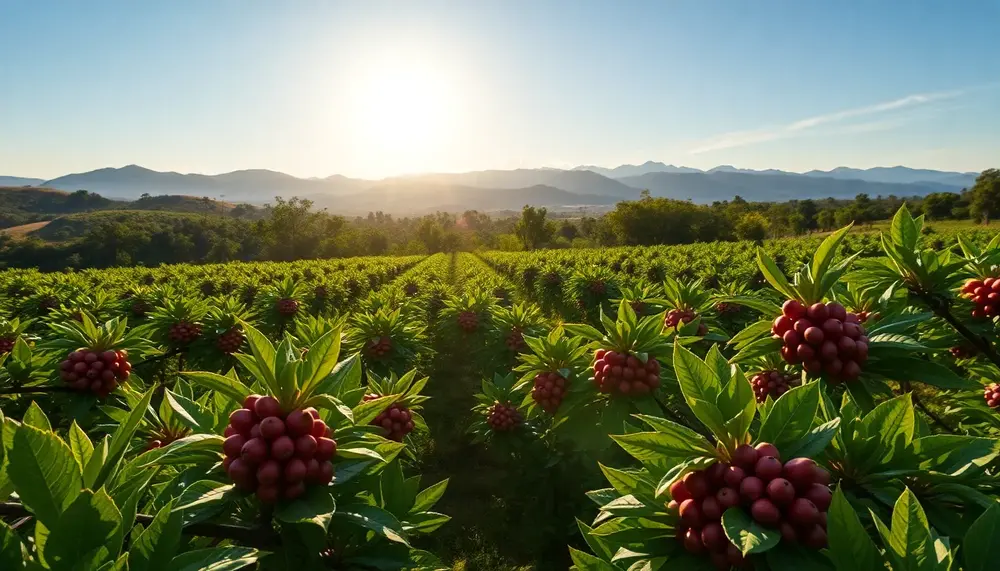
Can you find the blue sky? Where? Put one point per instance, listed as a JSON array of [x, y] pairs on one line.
[[372, 88]]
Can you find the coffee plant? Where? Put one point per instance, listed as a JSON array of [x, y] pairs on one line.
[[818, 403]]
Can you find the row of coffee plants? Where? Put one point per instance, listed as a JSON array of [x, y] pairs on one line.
[[844, 417], [208, 431]]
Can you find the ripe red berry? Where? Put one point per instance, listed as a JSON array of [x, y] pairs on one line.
[[690, 513], [267, 406], [305, 446], [767, 468], [295, 470], [269, 472], [250, 401], [282, 448], [817, 312], [271, 428], [697, 484], [751, 488], [325, 449], [765, 512], [803, 512], [242, 420], [254, 451], [239, 470], [821, 476], [744, 456], [734, 476], [232, 446], [820, 496], [815, 537], [319, 428], [800, 472], [711, 509], [714, 537], [716, 474], [793, 309], [692, 542], [325, 472], [780, 491], [728, 497], [836, 311], [298, 422], [814, 336], [767, 449]]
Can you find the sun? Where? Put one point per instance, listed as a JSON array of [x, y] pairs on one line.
[[403, 109]]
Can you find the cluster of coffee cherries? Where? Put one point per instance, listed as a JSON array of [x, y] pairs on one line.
[[94, 371], [992, 395], [275, 455], [184, 332], [411, 289], [378, 348], [597, 287], [503, 417], [773, 384], [396, 420], [723, 307], [985, 295], [621, 373], [824, 337], [7, 345], [549, 391], [864, 316], [230, 341], [287, 307], [677, 317], [140, 308], [638, 306], [792, 497], [963, 351], [515, 340], [468, 321]]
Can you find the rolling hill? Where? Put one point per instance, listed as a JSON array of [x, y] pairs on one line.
[[20, 181], [506, 189], [705, 188]]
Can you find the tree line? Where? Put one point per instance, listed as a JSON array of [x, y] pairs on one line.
[[293, 229]]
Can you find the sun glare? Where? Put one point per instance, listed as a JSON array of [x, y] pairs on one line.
[[403, 112]]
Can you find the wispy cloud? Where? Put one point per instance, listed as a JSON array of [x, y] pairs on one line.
[[804, 126]]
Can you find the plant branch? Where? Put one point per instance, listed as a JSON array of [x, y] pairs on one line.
[[259, 537], [942, 308], [906, 388], [682, 421]]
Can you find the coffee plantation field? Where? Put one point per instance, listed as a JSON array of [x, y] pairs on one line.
[[827, 402]]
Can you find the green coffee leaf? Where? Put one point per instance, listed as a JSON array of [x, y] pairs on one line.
[[81, 537], [228, 386], [851, 549], [44, 472], [214, 559], [791, 417], [980, 541], [746, 534], [34, 416], [156, 545]]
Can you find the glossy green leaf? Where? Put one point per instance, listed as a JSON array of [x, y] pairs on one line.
[[156, 545], [746, 534], [44, 472], [791, 417]]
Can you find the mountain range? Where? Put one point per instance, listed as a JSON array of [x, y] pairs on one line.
[[511, 189]]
